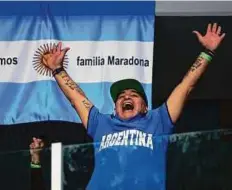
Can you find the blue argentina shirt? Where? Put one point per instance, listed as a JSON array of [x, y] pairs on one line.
[[130, 154]]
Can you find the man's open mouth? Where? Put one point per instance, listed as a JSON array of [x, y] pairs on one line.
[[127, 106]]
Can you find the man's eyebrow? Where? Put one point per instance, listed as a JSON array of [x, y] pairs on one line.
[[134, 91], [123, 92]]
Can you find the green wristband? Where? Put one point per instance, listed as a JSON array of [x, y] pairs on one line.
[[206, 56], [35, 165]]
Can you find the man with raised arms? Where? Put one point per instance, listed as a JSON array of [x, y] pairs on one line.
[[130, 150]]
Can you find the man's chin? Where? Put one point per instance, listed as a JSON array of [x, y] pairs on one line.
[[128, 114]]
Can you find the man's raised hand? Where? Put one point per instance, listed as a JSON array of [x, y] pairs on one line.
[[36, 146], [54, 59], [213, 37]]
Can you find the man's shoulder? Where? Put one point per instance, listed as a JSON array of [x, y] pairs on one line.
[[95, 111], [156, 112], [159, 108]]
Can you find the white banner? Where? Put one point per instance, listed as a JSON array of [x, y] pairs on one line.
[[85, 61]]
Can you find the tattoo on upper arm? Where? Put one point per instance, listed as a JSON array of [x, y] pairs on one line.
[[197, 64], [70, 83]]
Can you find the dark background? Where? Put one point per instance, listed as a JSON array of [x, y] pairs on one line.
[[176, 48]]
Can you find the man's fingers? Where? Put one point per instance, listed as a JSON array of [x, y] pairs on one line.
[[199, 36], [36, 145], [42, 144], [54, 48], [219, 30], [223, 36], [209, 29], [214, 28], [65, 50], [58, 48], [44, 60], [34, 139]]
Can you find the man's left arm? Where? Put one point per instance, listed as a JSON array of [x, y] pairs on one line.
[[180, 94]]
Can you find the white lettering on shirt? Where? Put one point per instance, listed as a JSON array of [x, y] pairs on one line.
[[127, 138]]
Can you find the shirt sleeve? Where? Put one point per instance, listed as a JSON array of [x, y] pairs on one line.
[[166, 124], [93, 121]]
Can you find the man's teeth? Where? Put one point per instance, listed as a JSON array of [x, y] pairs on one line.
[[128, 106]]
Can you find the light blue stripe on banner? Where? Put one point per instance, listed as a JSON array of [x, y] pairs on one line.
[[43, 100], [78, 28]]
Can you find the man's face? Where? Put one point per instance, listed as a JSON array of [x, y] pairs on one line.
[[129, 103]]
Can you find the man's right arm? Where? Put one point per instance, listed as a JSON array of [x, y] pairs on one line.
[[75, 95], [54, 61]]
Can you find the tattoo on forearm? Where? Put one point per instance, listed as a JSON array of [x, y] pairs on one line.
[[70, 83], [197, 64], [87, 104]]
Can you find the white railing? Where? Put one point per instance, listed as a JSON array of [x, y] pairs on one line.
[[57, 167]]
